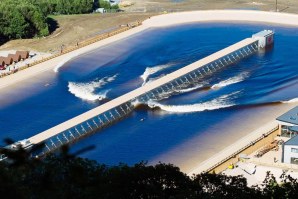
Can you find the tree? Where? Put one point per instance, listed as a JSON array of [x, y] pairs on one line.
[[22, 19], [28, 18], [104, 4], [17, 27], [66, 176]]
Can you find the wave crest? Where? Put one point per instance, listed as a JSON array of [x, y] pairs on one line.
[[232, 80], [295, 100], [186, 90], [152, 70], [218, 103], [59, 65], [85, 91]]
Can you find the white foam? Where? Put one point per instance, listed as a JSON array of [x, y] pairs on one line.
[[295, 100], [56, 69], [85, 91], [231, 80], [149, 80], [152, 70], [218, 103], [190, 89], [136, 103]]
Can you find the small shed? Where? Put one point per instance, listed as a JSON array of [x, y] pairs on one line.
[[15, 57], [8, 60], [265, 37], [2, 61], [23, 54]]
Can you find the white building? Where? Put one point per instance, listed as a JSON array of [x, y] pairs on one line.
[[288, 123], [290, 151]]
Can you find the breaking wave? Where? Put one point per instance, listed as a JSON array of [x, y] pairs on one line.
[[152, 70], [218, 103], [85, 91], [56, 69], [295, 100], [231, 80], [190, 89]]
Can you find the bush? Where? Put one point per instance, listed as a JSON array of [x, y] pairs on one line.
[[21, 19], [27, 18]]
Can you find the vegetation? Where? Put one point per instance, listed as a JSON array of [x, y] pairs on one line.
[[21, 19], [66, 176], [106, 5], [64, 6], [29, 18]]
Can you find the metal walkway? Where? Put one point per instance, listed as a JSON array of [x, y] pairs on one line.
[[116, 109]]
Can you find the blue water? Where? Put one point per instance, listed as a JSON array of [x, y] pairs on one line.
[[45, 101]]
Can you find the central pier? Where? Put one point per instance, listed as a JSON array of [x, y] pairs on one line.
[[118, 108]]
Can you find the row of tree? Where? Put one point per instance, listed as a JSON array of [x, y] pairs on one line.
[[66, 176], [106, 5], [64, 6], [28, 18], [20, 19]]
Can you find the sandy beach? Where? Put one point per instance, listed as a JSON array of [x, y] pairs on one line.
[[191, 164]]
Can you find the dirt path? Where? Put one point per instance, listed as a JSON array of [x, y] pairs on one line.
[[74, 28]]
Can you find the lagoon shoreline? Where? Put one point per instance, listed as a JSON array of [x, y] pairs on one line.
[[244, 16], [162, 21]]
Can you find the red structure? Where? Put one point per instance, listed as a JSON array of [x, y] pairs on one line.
[[13, 58], [23, 54]]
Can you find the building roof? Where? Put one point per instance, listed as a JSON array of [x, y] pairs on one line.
[[290, 117], [2, 61], [23, 54], [294, 128], [15, 57], [292, 141], [7, 60], [263, 33]]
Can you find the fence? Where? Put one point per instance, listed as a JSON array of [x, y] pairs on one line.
[[248, 149]]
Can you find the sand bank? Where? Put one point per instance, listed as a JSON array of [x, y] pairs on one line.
[[223, 15]]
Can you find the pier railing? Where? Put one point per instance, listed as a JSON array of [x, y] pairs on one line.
[[86, 128], [118, 108], [112, 111]]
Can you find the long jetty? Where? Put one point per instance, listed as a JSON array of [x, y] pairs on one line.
[[118, 108]]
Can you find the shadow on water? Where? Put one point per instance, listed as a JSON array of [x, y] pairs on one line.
[[53, 24]]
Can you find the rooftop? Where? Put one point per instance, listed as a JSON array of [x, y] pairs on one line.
[[292, 141], [263, 33], [294, 128], [290, 117]]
